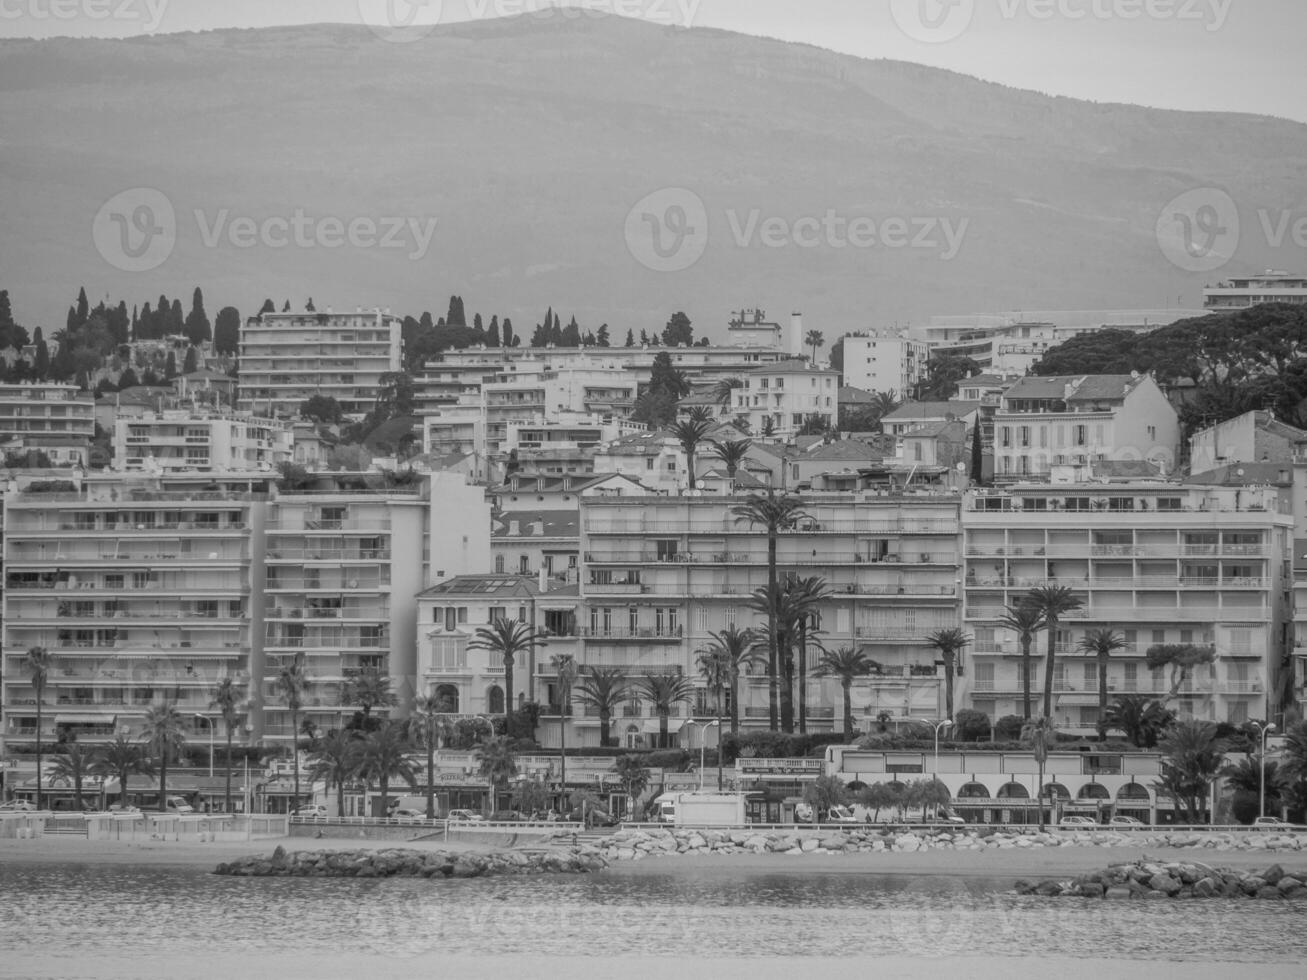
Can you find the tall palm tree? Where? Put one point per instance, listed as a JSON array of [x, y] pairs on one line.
[[1102, 643], [847, 664], [700, 413], [1040, 735], [738, 649], [715, 669], [428, 729], [385, 756], [602, 689], [724, 390], [496, 764], [336, 761], [690, 433], [634, 776], [815, 339], [505, 639], [565, 666], [800, 606], [227, 698], [36, 664], [1025, 621], [664, 691], [369, 689], [292, 681], [776, 513], [949, 643], [1052, 602], [74, 765], [1191, 758], [732, 453], [1142, 720], [121, 758], [165, 735]]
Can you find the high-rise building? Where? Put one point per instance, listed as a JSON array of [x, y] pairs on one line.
[[55, 419], [183, 440], [883, 361]]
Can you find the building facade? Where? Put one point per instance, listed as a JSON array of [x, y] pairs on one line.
[[781, 398], [181, 440], [56, 419], [882, 361], [1250, 291]]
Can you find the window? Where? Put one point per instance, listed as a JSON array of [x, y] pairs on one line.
[[524, 564], [1079, 435], [1159, 636], [499, 564], [1005, 437], [1241, 641], [497, 613]]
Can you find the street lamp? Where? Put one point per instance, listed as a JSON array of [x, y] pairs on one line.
[[703, 743], [209, 722], [1265, 730], [938, 726]]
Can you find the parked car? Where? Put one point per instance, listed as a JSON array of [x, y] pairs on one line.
[[1271, 823], [408, 814], [177, 804], [17, 806], [1125, 823], [947, 817], [1077, 823], [841, 814], [466, 815], [123, 808], [314, 810]]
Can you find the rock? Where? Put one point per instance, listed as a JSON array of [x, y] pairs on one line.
[[1289, 886], [1206, 888], [1272, 875], [1117, 893], [809, 844], [1164, 883], [1091, 889], [1048, 887]]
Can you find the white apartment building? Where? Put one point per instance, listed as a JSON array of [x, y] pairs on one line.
[[286, 358], [1243, 293], [1158, 562], [1044, 422], [783, 396], [182, 440], [140, 589], [56, 419], [883, 361], [658, 578]]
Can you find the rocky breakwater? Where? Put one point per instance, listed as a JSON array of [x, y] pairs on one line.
[[396, 863], [1156, 880], [634, 845]]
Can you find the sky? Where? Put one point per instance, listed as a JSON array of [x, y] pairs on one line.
[[1201, 55]]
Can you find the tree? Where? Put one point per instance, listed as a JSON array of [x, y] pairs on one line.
[[881, 796], [268, 307], [971, 726], [290, 685], [165, 735], [678, 331], [83, 307], [1141, 719], [949, 643], [335, 762], [1248, 779], [1040, 735], [690, 433], [825, 793], [42, 366], [385, 756], [798, 603], [505, 639], [197, 321], [723, 391], [228, 696], [943, 375], [716, 671], [531, 796], [496, 764], [602, 338], [1025, 621], [814, 339], [977, 457], [428, 730], [1052, 602], [1182, 658], [127, 380], [603, 689], [737, 650], [847, 664], [634, 776], [122, 759], [732, 452], [191, 363], [1295, 770], [369, 689], [630, 339], [227, 331], [492, 335], [73, 765], [664, 691], [37, 663], [776, 513], [170, 366], [1191, 759], [457, 314], [509, 339], [1101, 644], [322, 409]]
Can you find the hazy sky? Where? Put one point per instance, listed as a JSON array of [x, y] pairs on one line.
[[1240, 55]]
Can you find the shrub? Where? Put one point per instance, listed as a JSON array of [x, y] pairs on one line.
[[1008, 728], [971, 726], [777, 745]]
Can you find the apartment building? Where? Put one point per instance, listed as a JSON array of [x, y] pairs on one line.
[[1253, 437], [781, 398], [916, 415], [534, 543], [658, 578], [184, 440], [56, 419], [286, 358], [1249, 291], [141, 590], [883, 361], [1160, 563], [1044, 422]]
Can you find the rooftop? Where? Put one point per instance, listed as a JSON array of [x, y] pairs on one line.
[[931, 410], [536, 524], [1071, 389], [523, 586]]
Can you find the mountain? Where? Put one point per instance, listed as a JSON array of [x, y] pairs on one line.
[[530, 140]]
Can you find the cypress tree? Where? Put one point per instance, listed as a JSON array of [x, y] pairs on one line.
[[492, 336]]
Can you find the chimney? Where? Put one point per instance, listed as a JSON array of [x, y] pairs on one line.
[[795, 345], [544, 578], [514, 529], [538, 528]]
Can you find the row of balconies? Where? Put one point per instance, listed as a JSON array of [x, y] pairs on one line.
[[1012, 685], [660, 591], [283, 553], [760, 558], [1135, 615], [1150, 550], [730, 525], [1129, 582]]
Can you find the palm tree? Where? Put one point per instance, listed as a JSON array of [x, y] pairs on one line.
[[602, 689], [565, 666], [664, 691], [885, 402], [505, 639], [776, 514], [700, 413], [497, 765], [814, 339], [335, 762], [724, 390], [949, 643], [1052, 602], [634, 776], [846, 664], [369, 689], [715, 668], [797, 602], [1025, 621], [690, 433], [1248, 778], [291, 683], [1191, 759], [738, 649], [385, 755], [75, 765], [1141, 719], [37, 663], [227, 698], [1041, 735], [1102, 643], [427, 729], [732, 453], [121, 758], [165, 734]]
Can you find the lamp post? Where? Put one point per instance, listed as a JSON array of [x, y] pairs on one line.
[[703, 744], [938, 726], [209, 722], [1265, 730]]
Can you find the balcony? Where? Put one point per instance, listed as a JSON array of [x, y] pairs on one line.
[[646, 633], [616, 588]]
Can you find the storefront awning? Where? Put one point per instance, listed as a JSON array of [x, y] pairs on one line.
[[85, 719]]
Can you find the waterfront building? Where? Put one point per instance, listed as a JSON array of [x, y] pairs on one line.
[[1241, 293], [187, 440], [55, 419]]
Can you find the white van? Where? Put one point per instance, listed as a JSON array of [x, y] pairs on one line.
[[664, 809], [177, 804]]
